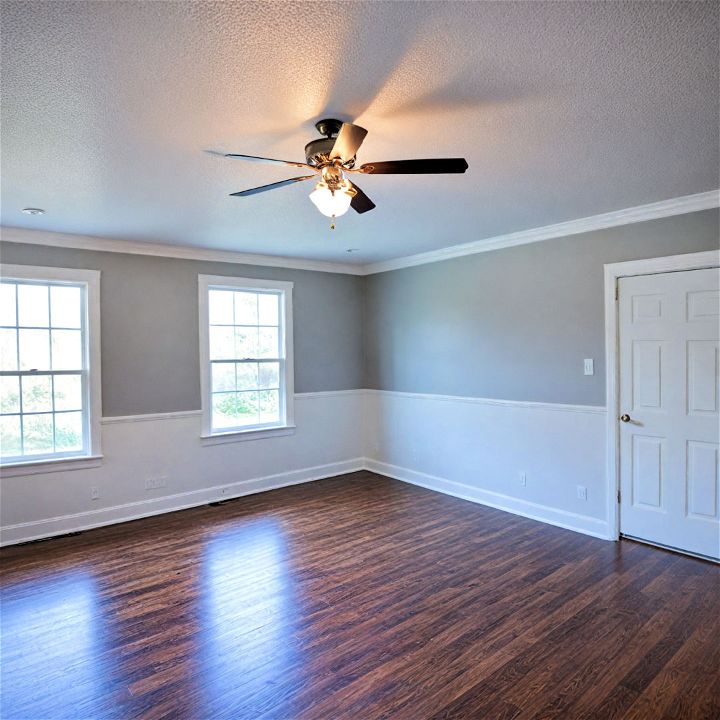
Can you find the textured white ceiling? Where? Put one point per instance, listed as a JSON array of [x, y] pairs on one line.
[[563, 110]]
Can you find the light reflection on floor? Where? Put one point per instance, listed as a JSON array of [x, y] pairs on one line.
[[57, 637], [249, 615]]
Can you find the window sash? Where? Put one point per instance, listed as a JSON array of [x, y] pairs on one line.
[[22, 414], [81, 372], [280, 389]]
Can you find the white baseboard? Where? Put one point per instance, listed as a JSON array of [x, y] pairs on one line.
[[61, 525], [543, 513], [50, 527]]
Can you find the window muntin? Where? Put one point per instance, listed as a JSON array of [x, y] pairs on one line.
[[43, 370], [247, 345]]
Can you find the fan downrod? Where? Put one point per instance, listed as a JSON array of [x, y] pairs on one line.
[[329, 127]]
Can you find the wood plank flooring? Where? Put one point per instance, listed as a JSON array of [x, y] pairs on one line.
[[355, 598]]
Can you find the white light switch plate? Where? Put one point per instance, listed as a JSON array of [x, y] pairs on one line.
[[589, 366]]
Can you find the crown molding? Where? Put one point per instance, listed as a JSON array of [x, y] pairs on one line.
[[88, 242], [640, 213]]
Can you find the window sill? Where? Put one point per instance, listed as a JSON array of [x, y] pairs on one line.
[[243, 435], [36, 467]]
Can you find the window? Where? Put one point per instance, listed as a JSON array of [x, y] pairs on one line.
[[49, 364], [246, 356]]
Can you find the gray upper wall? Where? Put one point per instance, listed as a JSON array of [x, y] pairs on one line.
[[511, 324], [149, 319]]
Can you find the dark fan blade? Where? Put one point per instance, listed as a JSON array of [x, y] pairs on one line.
[[272, 186], [412, 167], [361, 202], [253, 158], [347, 142]]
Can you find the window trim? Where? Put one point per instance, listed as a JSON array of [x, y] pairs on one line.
[[287, 392], [91, 280]]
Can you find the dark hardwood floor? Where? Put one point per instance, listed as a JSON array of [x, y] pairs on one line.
[[361, 598]]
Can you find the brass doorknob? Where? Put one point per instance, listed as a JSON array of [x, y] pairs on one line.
[[625, 417]]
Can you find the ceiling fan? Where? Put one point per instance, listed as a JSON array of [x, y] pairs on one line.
[[332, 157]]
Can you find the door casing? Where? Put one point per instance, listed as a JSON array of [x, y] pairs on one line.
[[614, 271]]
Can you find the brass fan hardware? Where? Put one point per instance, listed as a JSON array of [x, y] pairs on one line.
[[332, 157]]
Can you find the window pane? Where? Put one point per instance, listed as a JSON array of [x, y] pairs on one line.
[[7, 304], [33, 305], [38, 434], [246, 308], [10, 436], [68, 431], [8, 349], [222, 343], [269, 375], [247, 376], [67, 350], [37, 394], [9, 394], [269, 406], [268, 309], [223, 377], [245, 343], [234, 409], [65, 306], [268, 343], [34, 349], [68, 392], [221, 307]]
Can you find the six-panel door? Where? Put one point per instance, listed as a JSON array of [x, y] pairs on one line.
[[670, 388]]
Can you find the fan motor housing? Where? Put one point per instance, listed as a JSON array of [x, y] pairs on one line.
[[318, 151]]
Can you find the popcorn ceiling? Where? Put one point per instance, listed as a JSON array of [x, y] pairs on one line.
[[563, 110]]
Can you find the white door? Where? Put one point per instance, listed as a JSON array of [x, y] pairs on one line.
[[669, 402]]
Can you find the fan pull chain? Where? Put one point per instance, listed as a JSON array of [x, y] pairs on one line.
[[332, 223]]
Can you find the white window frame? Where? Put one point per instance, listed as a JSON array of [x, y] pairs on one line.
[[287, 385], [92, 456]]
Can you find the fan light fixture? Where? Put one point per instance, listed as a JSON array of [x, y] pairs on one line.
[[331, 203]]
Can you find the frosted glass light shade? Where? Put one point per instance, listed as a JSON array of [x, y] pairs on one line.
[[329, 203]]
